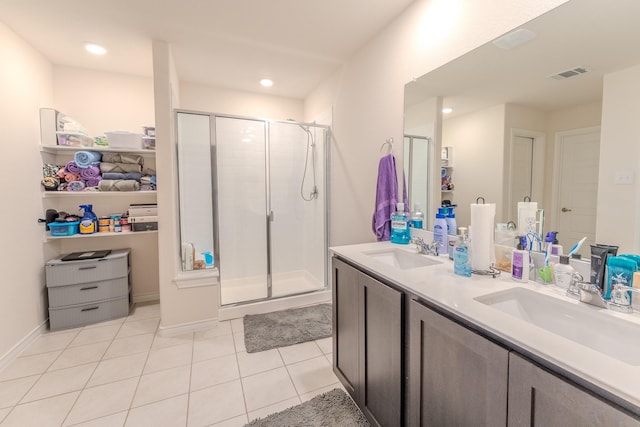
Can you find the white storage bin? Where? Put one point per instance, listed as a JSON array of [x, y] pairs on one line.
[[124, 139], [79, 315], [74, 139]]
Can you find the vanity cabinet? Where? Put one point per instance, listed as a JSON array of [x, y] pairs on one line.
[[540, 398], [368, 343], [455, 376]]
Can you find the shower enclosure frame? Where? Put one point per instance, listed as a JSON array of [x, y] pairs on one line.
[[325, 165]]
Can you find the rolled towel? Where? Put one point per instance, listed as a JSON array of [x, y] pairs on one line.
[[70, 177], [92, 182], [90, 172], [62, 172], [121, 175], [84, 159], [129, 158], [75, 186], [118, 185], [49, 169], [146, 187], [72, 167], [106, 167]]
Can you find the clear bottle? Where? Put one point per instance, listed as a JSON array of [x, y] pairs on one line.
[[400, 226], [440, 232], [417, 217], [461, 256], [562, 272]]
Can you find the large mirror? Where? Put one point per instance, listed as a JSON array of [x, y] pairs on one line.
[[526, 116]]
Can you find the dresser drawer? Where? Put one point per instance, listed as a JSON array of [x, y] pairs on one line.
[[79, 315], [61, 273], [83, 293]]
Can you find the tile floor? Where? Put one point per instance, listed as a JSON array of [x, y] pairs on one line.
[[122, 373]]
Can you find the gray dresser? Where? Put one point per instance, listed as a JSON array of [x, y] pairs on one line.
[[88, 291]]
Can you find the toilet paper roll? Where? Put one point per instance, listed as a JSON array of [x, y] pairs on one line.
[[527, 217], [482, 223]]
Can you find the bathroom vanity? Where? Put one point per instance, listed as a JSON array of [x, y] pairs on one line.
[[416, 345]]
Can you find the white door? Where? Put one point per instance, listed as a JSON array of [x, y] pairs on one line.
[[579, 155]]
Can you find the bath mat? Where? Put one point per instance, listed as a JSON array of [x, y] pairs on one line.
[[286, 327], [334, 408]]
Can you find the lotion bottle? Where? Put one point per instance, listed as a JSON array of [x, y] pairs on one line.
[[520, 264], [440, 232], [562, 272]]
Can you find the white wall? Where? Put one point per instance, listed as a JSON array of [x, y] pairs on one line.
[[26, 85], [618, 220], [366, 95], [478, 144], [227, 101]]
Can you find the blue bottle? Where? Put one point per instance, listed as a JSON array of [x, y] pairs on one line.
[[440, 232], [461, 257], [417, 217], [400, 226]]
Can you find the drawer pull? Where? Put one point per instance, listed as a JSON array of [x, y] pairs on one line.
[[89, 309], [88, 268], [88, 287]]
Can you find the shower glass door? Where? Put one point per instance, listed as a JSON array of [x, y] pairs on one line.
[[242, 185]]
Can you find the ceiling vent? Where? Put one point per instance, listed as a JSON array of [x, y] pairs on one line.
[[570, 73]]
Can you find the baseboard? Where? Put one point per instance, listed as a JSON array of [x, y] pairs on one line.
[[185, 328], [25, 342], [238, 311], [148, 297]]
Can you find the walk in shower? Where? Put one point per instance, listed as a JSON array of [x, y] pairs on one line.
[[268, 217]]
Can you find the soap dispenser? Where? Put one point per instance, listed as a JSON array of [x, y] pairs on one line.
[[520, 263], [461, 255]]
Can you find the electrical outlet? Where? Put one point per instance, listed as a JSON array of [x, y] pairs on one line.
[[623, 178]]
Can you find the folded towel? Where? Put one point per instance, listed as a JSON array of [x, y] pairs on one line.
[[75, 186], [69, 177], [90, 172], [92, 182], [72, 167], [121, 175], [84, 159], [123, 158], [386, 198], [118, 185], [106, 167]]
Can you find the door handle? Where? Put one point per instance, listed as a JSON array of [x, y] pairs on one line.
[[566, 210]]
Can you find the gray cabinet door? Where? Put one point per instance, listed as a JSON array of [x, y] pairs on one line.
[[381, 352], [346, 328], [456, 377], [539, 398]]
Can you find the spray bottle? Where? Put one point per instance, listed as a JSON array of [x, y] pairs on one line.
[[89, 221]]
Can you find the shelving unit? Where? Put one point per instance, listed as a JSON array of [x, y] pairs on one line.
[[48, 236], [446, 163]]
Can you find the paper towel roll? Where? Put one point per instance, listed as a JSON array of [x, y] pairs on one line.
[[527, 217], [482, 223]]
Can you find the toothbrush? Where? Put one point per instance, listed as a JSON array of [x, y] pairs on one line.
[[577, 246]]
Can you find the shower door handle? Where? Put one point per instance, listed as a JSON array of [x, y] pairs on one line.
[[270, 216]]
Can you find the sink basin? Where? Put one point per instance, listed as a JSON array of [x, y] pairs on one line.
[[402, 259], [579, 323]]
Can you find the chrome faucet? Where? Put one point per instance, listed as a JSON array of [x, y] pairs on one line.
[[620, 300], [425, 248]]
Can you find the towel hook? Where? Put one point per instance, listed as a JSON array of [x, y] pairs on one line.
[[527, 199], [388, 142], [478, 200]]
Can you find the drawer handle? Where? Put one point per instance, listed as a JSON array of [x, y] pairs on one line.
[[88, 287], [88, 268], [89, 309]]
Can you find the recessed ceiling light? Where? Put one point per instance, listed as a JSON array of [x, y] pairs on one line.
[[266, 82], [514, 39], [447, 110], [95, 49]]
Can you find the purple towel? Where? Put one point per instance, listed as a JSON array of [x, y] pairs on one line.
[[72, 167], [386, 197], [92, 182], [90, 172]]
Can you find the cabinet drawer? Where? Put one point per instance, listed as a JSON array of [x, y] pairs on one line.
[[83, 293], [61, 273], [79, 315]]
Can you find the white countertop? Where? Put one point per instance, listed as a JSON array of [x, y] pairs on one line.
[[440, 286]]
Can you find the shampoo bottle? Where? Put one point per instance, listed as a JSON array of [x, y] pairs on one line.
[[520, 264], [440, 232], [417, 218], [452, 226], [400, 226]]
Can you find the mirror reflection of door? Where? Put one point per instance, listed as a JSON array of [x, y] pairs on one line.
[[417, 153], [521, 170], [578, 154]]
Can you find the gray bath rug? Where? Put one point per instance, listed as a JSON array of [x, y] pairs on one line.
[[332, 409], [286, 327]]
